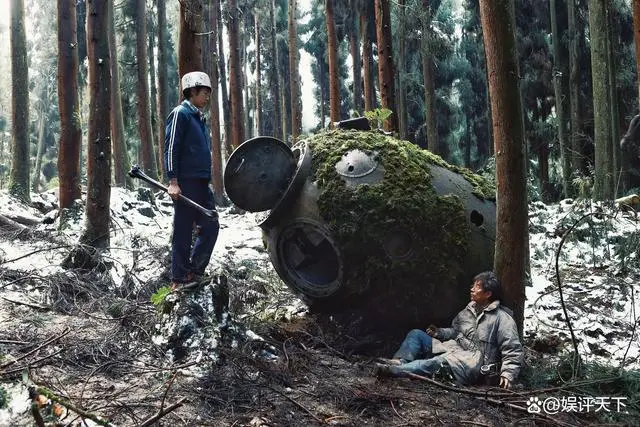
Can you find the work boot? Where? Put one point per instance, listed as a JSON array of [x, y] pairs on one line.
[[196, 278], [384, 370], [391, 362]]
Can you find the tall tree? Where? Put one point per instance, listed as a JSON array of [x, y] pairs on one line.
[[332, 48], [574, 87], [120, 153], [144, 119], [216, 143], [294, 76], [235, 75], [636, 38], [614, 110], [68, 105], [163, 80], [244, 34], [433, 144], [19, 181], [153, 92], [386, 73], [190, 40], [603, 183], [96, 233], [354, 47], [274, 74], [368, 86], [222, 69], [558, 85], [498, 26], [258, 119], [42, 110], [402, 70]]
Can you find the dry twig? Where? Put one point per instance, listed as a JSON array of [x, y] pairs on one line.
[[149, 421], [46, 343]]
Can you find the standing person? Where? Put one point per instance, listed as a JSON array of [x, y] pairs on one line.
[[483, 340], [187, 161]]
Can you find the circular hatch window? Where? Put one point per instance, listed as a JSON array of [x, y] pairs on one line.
[[309, 258]]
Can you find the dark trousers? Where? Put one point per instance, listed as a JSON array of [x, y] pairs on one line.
[[184, 258]]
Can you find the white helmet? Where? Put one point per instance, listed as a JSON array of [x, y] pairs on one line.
[[194, 79]]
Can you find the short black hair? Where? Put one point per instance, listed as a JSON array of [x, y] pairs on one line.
[[490, 283], [187, 92]]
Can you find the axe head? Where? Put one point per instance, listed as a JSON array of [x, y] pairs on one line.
[[135, 172]]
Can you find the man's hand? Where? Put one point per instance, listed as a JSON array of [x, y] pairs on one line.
[[174, 189], [505, 383], [432, 331]]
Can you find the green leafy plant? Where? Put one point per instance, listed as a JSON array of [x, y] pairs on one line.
[[377, 117], [160, 295]]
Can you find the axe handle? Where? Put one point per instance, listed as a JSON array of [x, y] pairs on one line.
[[136, 172]]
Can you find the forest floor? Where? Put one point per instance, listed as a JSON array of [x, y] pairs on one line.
[[93, 337]]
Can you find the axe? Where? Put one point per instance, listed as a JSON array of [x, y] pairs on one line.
[[136, 172]]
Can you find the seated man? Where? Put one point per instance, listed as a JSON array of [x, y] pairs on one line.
[[483, 337]]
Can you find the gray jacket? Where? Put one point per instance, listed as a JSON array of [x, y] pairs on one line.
[[476, 340]]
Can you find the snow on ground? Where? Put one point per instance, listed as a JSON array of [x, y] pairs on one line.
[[138, 221], [599, 269], [599, 291]]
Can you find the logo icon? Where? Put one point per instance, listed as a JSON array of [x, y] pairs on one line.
[[534, 406]]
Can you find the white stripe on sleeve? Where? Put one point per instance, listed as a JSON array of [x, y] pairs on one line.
[[171, 141]]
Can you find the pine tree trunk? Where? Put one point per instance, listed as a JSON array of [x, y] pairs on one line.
[[323, 98], [190, 40], [144, 120], [334, 78], [163, 79], [385, 63], [121, 162], [216, 142], [293, 70], [38, 167], [402, 96], [354, 47], [498, 26], [636, 38], [558, 78], [222, 69], [603, 183], [433, 144], [96, 233], [19, 178], [467, 146], [235, 78], [616, 158], [68, 105], [248, 128], [369, 94], [153, 96], [274, 77], [574, 88], [258, 95]]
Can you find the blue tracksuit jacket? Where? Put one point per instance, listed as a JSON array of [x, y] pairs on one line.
[[187, 147]]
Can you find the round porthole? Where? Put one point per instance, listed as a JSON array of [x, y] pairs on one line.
[[309, 258]]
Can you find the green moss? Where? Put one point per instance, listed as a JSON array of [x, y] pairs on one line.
[[363, 217]]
